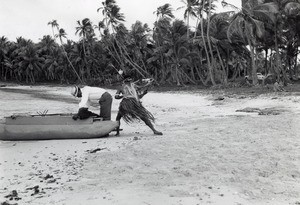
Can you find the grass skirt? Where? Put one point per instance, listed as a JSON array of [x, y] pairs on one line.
[[131, 110]]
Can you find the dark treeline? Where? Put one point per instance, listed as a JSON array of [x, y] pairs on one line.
[[263, 37]]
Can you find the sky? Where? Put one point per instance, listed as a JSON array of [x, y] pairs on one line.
[[29, 18]]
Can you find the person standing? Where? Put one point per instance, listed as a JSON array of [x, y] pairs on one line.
[[92, 96], [131, 108]]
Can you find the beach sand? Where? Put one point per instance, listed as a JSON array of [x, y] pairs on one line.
[[208, 154]]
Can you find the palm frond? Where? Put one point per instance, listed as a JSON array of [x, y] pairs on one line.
[[292, 9], [265, 15], [271, 7], [258, 28], [236, 28]]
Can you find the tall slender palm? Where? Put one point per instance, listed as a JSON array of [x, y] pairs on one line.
[[210, 9], [112, 19], [106, 7], [118, 41], [190, 11], [62, 34], [53, 24], [218, 38], [86, 31], [164, 11], [112, 14], [84, 28], [206, 7], [164, 17], [161, 29]]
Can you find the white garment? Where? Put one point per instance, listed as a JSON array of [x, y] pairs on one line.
[[90, 96], [130, 91]]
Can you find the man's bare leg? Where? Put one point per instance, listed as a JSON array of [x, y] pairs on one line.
[[149, 124], [118, 119]]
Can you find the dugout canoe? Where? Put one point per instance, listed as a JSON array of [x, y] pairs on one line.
[[53, 126]]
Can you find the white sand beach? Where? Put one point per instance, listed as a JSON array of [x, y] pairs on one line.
[[208, 153]]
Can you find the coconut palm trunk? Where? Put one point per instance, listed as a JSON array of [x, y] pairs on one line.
[[212, 62], [253, 63], [207, 53], [70, 63]]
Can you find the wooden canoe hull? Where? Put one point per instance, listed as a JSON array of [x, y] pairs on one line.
[[53, 127]]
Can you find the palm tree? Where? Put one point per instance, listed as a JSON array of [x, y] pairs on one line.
[[172, 52], [62, 34], [85, 28], [106, 7], [111, 13], [112, 19], [178, 53], [286, 34], [161, 29], [190, 11], [100, 27], [46, 45], [86, 31], [4, 48], [164, 12], [248, 26], [118, 41], [52, 66], [204, 7], [210, 8], [138, 39], [122, 40], [31, 63], [292, 33], [220, 46], [53, 24]]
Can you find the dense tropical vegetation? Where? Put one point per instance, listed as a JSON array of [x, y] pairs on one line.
[[220, 48]]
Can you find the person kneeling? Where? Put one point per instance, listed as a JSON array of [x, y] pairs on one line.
[[92, 96]]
